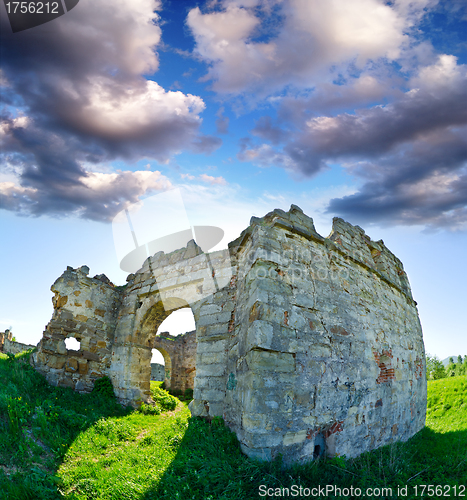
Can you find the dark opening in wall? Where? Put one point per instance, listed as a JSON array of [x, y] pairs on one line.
[[320, 446]]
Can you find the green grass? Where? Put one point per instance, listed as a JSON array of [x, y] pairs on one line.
[[57, 444], [447, 404]]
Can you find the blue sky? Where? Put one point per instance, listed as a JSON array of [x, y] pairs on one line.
[[350, 108]]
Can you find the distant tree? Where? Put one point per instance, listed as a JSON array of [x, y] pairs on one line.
[[434, 368], [13, 339], [451, 368], [459, 359]]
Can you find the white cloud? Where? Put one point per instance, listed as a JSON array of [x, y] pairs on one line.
[[313, 38], [445, 75], [12, 189], [143, 116], [139, 182], [209, 179]]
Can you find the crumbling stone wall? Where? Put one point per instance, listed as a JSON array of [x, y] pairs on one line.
[[180, 369], [16, 347], [327, 353], [85, 309], [305, 345], [4, 336], [11, 346], [165, 283]]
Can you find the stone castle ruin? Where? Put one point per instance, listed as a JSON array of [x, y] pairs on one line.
[[304, 345], [8, 345], [179, 353]]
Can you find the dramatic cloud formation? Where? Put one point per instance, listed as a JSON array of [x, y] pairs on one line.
[[411, 153], [354, 83], [95, 196], [370, 87], [74, 94], [310, 40]]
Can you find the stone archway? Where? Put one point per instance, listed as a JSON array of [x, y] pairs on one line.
[[131, 358]]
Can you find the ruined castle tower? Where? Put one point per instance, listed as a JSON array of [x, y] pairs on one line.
[[304, 345]]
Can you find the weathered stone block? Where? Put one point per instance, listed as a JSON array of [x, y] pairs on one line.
[[259, 360], [82, 366], [66, 382], [56, 362], [294, 437], [213, 370], [72, 365]]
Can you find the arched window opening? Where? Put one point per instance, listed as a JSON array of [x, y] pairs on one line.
[[164, 368], [320, 446], [176, 341], [178, 322]]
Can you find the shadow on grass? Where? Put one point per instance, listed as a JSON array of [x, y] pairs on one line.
[[209, 465], [38, 423]]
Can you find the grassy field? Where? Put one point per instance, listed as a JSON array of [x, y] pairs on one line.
[[55, 443]]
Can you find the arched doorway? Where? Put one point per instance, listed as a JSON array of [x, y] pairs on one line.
[[178, 323], [178, 349], [137, 335], [161, 366]]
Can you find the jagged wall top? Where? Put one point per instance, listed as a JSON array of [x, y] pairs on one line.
[[344, 238]]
